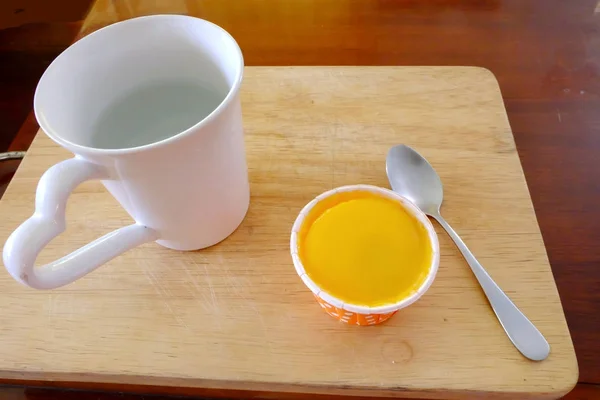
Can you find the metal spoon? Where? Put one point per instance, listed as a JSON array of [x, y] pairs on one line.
[[414, 178]]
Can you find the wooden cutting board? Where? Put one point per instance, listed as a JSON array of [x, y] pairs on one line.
[[236, 316]]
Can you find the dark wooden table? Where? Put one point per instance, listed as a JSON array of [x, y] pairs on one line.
[[546, 56]]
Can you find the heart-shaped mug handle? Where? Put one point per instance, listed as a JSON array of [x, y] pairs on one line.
[[48, 221]]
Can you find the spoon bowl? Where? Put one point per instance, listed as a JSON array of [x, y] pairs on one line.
[[414, 178]]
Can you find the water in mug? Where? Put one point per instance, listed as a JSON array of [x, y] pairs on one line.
[[152, 113]]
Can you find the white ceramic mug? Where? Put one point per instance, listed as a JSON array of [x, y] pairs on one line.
[[186, 192]]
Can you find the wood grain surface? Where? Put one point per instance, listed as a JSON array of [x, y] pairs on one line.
[[236, 316]]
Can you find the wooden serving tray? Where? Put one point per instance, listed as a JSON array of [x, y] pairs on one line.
[[236, 316]]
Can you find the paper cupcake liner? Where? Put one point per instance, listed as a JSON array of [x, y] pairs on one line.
[[353, 318], [355, 314]]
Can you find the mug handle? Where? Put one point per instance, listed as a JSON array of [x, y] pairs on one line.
[[48, 221]]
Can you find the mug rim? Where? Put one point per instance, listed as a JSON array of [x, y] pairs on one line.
[[334, 301], [74, 147]]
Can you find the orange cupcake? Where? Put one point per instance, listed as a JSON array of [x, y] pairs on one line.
[[365, 252]]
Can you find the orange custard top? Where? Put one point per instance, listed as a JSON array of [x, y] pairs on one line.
[[364, 249]]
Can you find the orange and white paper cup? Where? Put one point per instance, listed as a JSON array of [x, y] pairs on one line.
[[359, 314]]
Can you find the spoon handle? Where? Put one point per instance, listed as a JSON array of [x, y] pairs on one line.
[[521, 331]]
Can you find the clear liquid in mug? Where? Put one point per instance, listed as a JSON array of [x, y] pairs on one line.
[[152, 113]]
